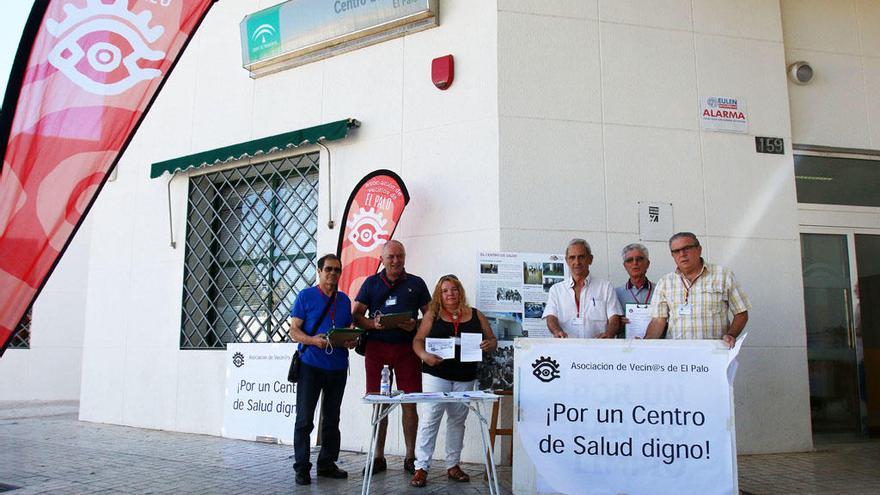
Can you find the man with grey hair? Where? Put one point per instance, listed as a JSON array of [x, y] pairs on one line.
[[635, 294], [581, 306], [697, 298]]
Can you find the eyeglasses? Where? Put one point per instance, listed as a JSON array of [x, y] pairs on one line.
[[450, 275], [676, 252], [333, 269], [634, 258]]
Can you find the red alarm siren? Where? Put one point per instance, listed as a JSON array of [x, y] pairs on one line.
[[443, 71]]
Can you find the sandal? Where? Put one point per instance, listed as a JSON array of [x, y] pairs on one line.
[[455, 473], [419, 479]]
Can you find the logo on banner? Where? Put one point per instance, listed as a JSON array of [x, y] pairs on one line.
[[545, 369], [263, 34], [368, 231], [100, 46], [238, 359]]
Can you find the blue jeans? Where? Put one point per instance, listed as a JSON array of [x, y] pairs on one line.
[[312, 381]]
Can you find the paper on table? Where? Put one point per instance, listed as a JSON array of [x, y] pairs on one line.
[[442, 348], [639, 315], [470, 347]]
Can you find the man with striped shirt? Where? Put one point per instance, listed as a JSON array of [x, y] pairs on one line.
[[697, 298]]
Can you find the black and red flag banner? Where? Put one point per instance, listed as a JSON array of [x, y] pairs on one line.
[[86, 73], [368, 222]]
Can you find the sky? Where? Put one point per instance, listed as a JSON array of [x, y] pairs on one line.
[[15, 13]]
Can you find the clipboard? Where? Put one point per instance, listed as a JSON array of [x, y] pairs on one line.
[[339, 336], [393, 320]]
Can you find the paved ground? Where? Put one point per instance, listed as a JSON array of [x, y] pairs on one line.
[[44, 449]]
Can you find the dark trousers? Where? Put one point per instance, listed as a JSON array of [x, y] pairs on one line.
[[313, 381]]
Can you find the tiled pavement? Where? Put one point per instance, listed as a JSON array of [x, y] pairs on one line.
[[44, 449]]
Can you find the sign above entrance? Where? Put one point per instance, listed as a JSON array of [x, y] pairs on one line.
[[297, 32]]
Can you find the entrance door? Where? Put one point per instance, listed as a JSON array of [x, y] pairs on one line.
[[839, 215], [842, 303]]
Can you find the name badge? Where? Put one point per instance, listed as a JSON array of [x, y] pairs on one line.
[[685, 310], [577, 321], [391, 301]]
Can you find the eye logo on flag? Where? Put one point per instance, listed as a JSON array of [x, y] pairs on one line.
[[116, 39], [378, 201], [86, 73], [367, 233]]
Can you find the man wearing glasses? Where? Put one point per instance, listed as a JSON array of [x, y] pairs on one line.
[[635, 294], [315, 312], [697, 298]]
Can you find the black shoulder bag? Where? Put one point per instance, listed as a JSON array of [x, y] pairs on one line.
[[361, 347], [295, 361]]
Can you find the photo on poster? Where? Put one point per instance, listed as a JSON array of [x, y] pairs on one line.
[[554, 269], [532, 273], [506, 326], [508, 294], [534, 309], [496, 371], [489, 268], [549, 281]]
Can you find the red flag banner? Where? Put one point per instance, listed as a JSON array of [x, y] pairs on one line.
[[82, 83], [369, 221]]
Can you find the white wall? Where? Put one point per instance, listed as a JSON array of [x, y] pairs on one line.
[[50, 369], [442, 143], [841, 41], [602, 111]]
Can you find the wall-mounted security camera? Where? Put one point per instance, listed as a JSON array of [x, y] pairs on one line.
[[800, 72]]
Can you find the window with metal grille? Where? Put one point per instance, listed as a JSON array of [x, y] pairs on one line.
[[22, 337], [250, 248]]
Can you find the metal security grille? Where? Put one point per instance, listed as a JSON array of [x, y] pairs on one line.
[[250, 248], [22, 337]]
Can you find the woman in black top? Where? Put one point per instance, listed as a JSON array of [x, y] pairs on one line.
[[448, 316]]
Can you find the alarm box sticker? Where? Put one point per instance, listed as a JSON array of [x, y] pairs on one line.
[[724, 114]]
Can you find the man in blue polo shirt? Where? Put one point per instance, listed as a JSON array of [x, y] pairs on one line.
[[393, 291], [317, 310]]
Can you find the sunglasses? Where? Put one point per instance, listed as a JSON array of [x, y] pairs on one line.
[[634, 258], [333, 269]]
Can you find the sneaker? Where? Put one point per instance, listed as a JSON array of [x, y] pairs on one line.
[[332, 471], [409, 465], [303, 478], [379, 465]]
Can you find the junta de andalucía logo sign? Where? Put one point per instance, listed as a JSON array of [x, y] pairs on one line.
[[545, 369]]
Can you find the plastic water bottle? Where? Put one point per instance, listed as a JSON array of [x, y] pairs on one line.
[[385, 384]]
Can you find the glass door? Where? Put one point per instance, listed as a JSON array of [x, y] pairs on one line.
[[835, 400], [867, 248]]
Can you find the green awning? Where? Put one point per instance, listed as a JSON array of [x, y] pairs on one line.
[[262, 146]]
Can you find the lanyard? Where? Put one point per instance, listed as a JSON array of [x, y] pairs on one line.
[[577, 302], [455, 321], [387, 282], [688, 285], [332, 311], [650, 289]]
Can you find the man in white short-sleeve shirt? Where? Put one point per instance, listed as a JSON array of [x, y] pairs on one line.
[[582, 306]]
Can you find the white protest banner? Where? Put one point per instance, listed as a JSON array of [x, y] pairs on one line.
[[623, 416], [259, 401]]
